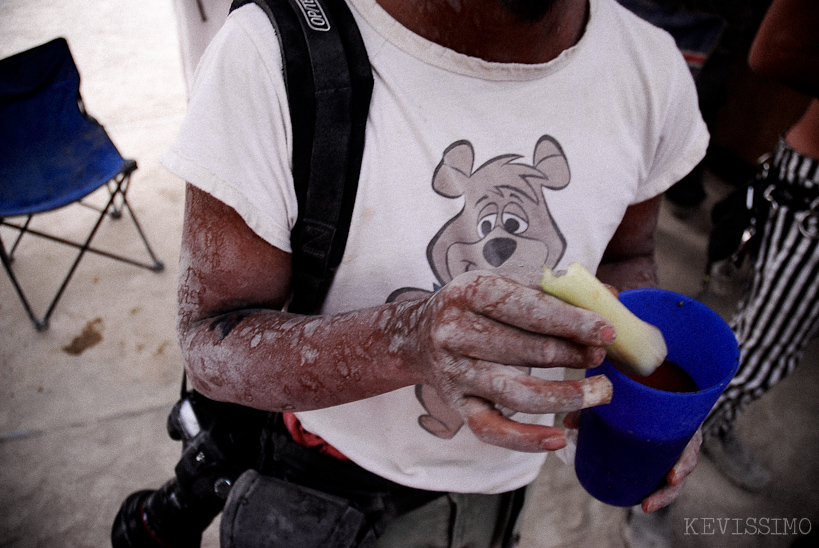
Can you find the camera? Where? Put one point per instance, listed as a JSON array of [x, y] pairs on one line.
[[220, 441]]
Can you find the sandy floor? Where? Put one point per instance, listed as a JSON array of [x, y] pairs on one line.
[[83, 405]]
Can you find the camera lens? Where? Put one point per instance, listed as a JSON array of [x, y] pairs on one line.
[[170, 516]]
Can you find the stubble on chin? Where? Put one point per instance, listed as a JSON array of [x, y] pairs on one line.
[[528, 11]]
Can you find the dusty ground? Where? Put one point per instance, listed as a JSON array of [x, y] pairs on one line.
[[83, 405]]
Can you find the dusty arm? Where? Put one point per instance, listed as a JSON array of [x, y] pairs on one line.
[[239, 346], [628, 261]]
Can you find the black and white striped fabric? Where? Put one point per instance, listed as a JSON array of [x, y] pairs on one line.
[[779, 314]]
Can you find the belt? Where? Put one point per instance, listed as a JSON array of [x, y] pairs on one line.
[[286, 459], [790, 180]]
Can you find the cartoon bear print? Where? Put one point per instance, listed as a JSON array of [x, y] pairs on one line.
[[505, 216]]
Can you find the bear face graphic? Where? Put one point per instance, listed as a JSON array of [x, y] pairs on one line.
[[505, 217], [505, 214]]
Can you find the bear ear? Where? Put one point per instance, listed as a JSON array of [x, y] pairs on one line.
[[550, 160], [455, 166]]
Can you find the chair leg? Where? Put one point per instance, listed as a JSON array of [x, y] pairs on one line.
[[158, 266], [122, 190], [120, 187], [23, 230], [39, 324], [117, 202], [155, 264], [117, 194], [85, 247]]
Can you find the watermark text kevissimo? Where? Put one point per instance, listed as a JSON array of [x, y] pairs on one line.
[[747, 526]]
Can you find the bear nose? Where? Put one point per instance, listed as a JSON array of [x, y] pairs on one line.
[[498, 250]]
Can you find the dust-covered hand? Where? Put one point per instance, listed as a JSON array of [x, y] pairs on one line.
[[668, 493], [470, 339]]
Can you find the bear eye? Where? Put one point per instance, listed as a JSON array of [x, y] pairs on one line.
[[514, 224], [486, 224]]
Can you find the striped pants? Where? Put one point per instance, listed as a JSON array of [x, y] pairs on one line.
[[779, 313]]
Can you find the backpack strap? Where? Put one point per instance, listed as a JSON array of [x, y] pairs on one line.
[[329, 84]]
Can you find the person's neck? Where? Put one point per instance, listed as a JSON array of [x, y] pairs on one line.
[[488, 30]]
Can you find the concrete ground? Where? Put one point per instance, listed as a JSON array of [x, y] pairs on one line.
[[83, 405]]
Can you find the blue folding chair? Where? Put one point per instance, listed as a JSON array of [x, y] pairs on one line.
[[53, 154]]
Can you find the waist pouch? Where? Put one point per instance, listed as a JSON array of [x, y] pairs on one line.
[[267, 512], [302, 498]]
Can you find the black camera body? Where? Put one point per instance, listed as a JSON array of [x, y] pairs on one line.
[[220, 441]]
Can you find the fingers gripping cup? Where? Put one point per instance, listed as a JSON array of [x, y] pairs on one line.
[[625, 448]]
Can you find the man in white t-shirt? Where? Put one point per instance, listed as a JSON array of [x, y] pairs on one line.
[[502, 135]]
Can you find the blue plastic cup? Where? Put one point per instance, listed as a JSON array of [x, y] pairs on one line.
[[625, 448]]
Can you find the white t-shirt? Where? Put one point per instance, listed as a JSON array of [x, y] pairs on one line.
[[467, 164]]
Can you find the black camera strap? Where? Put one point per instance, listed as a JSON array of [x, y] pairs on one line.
[[329, 83]]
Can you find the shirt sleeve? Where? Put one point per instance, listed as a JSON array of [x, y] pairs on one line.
[[683, 136], [235, 141]]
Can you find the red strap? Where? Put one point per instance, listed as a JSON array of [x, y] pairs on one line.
[[308, 439]]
